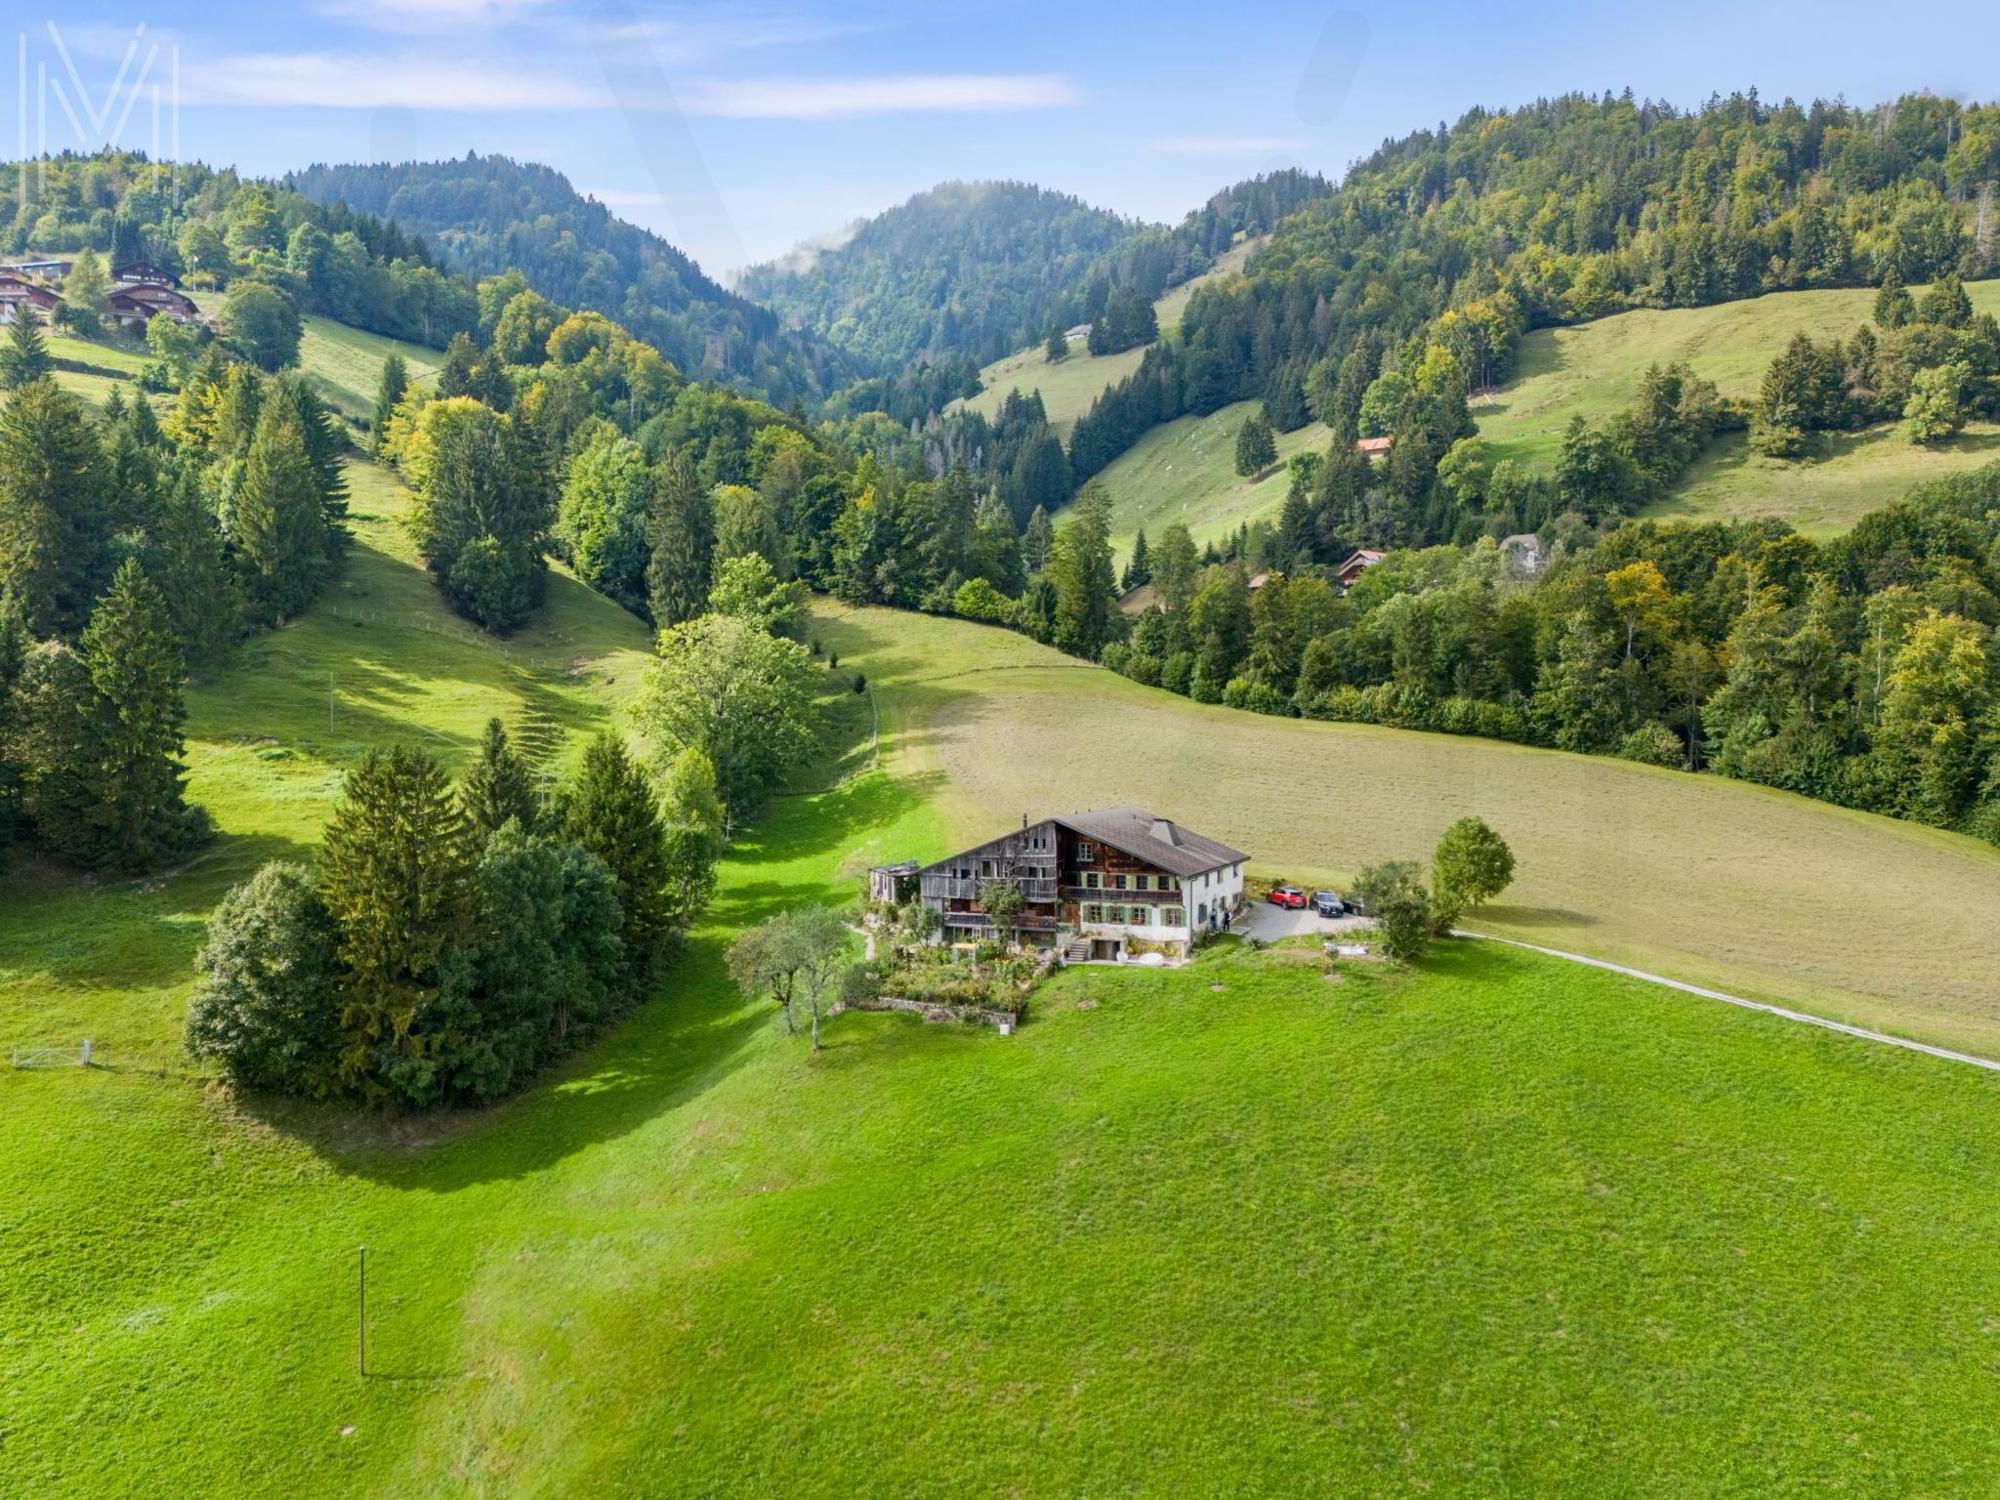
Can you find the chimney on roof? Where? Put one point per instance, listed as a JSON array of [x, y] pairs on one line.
[[1165, 832]]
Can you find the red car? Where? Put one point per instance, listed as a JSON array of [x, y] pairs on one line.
[[1287, 895]]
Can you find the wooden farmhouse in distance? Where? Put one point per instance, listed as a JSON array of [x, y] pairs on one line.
[[1111, 886]]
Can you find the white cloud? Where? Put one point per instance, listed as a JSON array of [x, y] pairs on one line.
[[909, 93], [428, 15], [333, 80], [680, 42], [1225, 145]]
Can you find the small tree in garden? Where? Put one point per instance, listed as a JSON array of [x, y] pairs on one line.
[[1472, 865], [1394, 895], [795, 958], [821, 934], [1002, 901]]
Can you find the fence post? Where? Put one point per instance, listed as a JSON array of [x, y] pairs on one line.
[[85, 1061]]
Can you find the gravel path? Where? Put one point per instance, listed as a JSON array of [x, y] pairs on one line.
[[1775, 1010]]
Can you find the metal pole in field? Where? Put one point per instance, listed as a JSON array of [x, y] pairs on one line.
[[361, 1312]]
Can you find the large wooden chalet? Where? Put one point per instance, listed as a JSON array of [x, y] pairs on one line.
[[19, 295], [141, 292], [1109, 886]]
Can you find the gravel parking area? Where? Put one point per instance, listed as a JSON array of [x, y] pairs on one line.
[[1268, 923]]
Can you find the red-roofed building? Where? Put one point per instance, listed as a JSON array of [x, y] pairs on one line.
[[1375, 447]]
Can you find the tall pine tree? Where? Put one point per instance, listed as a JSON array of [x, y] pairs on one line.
[[611, 812], [681, 534], [25, 359], [396, 875], [53, 508], [395, 385], [142, 819], [280, 529], [499, 786]]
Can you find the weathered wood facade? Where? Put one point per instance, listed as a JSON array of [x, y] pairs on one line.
[[1110, 884]]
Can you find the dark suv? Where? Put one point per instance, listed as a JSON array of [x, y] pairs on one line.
[[1328, 904]]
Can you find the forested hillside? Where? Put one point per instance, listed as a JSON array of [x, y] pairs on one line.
[[970, 272], [967, 268], [491, 214], [1381, 306], [214, 227]]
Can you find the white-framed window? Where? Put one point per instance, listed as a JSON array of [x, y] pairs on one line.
[[1090, 880], [1117, 882], [1173, 916], [1140, 883], [1086, 852], [1093, 913]]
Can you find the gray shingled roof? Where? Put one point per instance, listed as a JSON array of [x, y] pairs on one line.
[[1159, 841]]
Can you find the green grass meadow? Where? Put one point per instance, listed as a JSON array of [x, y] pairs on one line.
[[1593, 370], [1185, 470], [1495, 1226], [1068, 388]]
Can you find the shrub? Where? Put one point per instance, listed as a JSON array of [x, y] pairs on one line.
[[1394, 895], [1653, 745]]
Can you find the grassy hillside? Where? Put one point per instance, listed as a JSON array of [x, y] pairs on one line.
[[1707, 879], [1593, 370], [1068, 388], [1241, 1222], [1185, 470], [346, 363]]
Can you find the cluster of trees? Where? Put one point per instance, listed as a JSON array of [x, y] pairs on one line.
[[1932, 363], [91, 730], [489, 215], [555, 430], [1863, 671], [451, 941], [131, 554], [217, 229], [1127, 321]]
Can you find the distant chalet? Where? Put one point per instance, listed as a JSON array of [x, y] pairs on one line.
[[1111, 886], [1375, 447]]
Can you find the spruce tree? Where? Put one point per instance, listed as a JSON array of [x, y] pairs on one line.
[[389, 395], [280, 532], [1037, 541], [499, 786], [53, 516], [1086, 585], [142, 819], [1139, 570], [326, 446], [681, 535], [611, 812], [1256, 447], [185, 559], [25, 359], [396, 877], [15, 644], [1057, 348], [1945, 303], [1893, 304], [54, 750]]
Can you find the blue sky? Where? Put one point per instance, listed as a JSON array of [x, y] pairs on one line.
[[739, 130]]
